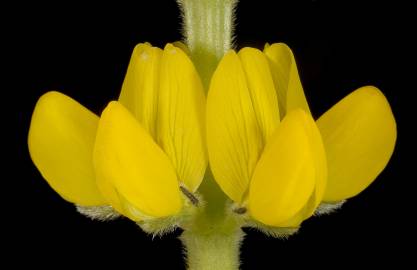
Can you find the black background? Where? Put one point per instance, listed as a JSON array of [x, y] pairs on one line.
[[83, 51]]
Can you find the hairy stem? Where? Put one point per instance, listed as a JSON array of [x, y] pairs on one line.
[[212, 238], [208, 32], [214, 250]]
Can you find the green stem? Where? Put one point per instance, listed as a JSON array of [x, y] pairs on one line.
[[214, 250], [212, 238], [208, 32]]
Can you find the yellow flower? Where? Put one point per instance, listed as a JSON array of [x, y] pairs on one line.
[[142, 151], [146, 155], [267, 153]]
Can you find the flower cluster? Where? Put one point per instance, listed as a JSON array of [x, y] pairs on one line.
[[148, 152]]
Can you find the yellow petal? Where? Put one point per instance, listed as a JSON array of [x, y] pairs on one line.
[[240, 116], [109, 192], [359, 135], [320, 166], [140, 88], [286, 79], [61, 140], [303, 214], [320, 162], [127, 158], [182, 46], [261, 89], [115, 198], [285, 176], [181, 117]]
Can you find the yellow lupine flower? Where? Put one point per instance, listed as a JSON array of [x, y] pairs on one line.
[[359, 132], [61, 141], [281, 171], [143, 148], [146, 155], [266, 152]]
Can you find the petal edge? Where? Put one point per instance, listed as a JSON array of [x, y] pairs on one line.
[[61, 140], [359, 135], [127, 158]]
